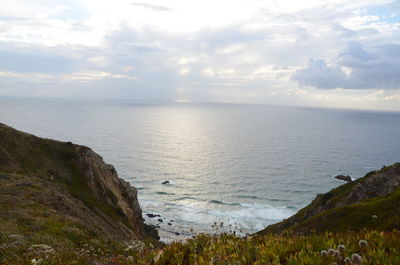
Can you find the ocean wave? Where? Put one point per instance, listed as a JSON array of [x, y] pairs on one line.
[[223, 203], [183, 198], [251, 216], [249, 197], [164, 193]]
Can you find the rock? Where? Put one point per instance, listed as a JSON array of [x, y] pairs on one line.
[[177, 233], [160, 220], [41, 249], [16, 237], [169, 224], [165, 182], [17, 240], [152, 231], [152, 215], [344, 178]]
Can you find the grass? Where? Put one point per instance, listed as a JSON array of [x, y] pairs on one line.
[[377, 213], [383, 248]]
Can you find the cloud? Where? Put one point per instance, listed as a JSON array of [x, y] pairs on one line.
[[375, 68], [319, 74], [246, 51], [152, 7]]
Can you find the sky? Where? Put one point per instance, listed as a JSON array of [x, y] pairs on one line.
[[334, 53]]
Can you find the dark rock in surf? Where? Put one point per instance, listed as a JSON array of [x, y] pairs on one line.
[[152, 215], [152, 231], [165, 182], [344, 178]]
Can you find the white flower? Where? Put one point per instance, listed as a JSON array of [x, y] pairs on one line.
[[331, 251], [363, 244], [357, 259], [36, 261], [341, 248], [348, 261]]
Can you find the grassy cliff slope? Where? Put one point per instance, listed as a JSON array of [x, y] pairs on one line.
[[63, 195], [371, 202]]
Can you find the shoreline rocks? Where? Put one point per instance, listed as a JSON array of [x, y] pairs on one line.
[[346, 178]]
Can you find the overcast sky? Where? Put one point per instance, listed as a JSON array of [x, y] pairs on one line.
[[334, 53]]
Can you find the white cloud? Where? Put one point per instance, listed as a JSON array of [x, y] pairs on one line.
[[241, 51]]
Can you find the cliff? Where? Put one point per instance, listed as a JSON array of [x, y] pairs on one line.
[[64, 192], [371, 202]]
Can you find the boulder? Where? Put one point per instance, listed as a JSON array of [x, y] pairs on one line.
[[344, 178]]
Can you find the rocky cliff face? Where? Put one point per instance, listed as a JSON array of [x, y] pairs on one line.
[[371, 202], [103, 181], [70, 181]]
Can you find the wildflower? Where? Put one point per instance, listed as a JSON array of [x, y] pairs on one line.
[[348, 261], [324, 253], [331, 251], [36, 261], [341, 248], [363, 244], [357, 259], [336, 253]]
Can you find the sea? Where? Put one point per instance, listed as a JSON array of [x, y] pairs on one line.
[[198, 165]]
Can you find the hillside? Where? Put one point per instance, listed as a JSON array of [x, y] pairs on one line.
[[63, 194], [371, 202]]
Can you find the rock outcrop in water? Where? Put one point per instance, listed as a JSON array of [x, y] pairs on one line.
[[371, 202], [64, 189], [346, 178]]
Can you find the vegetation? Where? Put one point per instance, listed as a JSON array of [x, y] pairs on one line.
[[371, 202], [373, 247]]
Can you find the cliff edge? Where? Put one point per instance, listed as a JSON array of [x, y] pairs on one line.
[[64, 192], [370, 202]]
